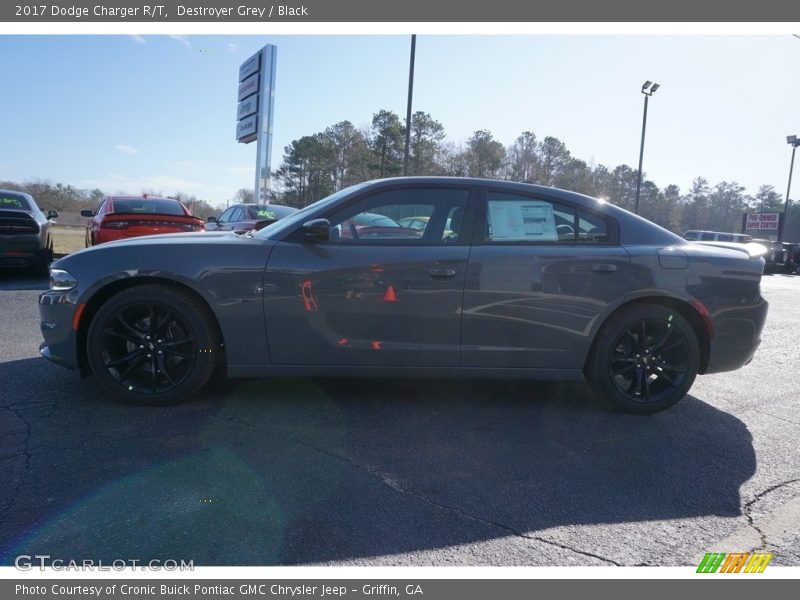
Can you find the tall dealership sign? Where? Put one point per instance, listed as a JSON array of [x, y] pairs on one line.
[[256, 98]]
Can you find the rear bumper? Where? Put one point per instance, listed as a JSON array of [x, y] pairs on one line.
[[737, 335], [21, 250]]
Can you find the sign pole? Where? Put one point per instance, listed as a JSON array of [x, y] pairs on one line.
[[255, 114], [788, 191]]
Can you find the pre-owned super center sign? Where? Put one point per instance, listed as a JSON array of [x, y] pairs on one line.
[[760, 221]]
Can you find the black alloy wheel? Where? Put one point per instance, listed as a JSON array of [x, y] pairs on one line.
[[644, 359], [153, 344], [649, 361], [148, 348]]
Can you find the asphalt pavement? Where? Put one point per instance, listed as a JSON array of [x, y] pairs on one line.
[[398, 472]]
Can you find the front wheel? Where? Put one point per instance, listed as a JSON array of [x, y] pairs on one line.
[[644, 359], [152, 344]]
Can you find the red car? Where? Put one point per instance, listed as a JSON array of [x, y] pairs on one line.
[[121, 217]]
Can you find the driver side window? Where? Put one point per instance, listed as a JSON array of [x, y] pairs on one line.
[[413, 216]]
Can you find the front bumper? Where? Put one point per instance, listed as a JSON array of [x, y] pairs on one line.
[[56, 313], [737, 335]]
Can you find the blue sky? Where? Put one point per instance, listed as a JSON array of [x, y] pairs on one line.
[[127, 113]]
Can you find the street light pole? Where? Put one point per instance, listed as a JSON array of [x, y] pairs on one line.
[[648, 89], [408, 107], [794, 142]]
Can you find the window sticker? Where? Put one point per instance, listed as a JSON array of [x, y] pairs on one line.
[[263, 213], [523, 220]]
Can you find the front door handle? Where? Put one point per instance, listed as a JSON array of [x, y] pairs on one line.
[[604, 268], [442, 273]]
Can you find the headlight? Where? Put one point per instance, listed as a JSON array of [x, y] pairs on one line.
[[61, 280]]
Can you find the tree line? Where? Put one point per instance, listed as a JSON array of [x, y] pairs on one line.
[[316, 165]]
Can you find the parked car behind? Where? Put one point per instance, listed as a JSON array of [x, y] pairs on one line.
[[634, 308], [122, 217], [792, 264], [697, 235], [248, 217], [776, 255], [25, 237]]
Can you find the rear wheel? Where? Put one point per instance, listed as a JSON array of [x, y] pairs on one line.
[[152, 344], [45, 258], [645, 359]]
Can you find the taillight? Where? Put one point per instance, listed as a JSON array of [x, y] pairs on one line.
[[114, 224]]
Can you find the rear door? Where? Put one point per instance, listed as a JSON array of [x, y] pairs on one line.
[[377, 293], [540, 273]]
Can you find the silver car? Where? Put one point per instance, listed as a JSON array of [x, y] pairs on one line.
[[25, 237]]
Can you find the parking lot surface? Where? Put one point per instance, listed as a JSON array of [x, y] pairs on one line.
[[394, 472]]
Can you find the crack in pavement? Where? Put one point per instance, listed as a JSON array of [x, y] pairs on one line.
[[24, 452], [396, 486], [749, 505]]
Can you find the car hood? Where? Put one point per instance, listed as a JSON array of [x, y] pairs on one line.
[[179, 242]]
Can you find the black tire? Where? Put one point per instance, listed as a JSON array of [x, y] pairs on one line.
[[46, 257], [153, 345], [644, 359]]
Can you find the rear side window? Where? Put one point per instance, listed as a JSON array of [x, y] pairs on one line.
[[148, 206], [592, 228], [707, 237], [513, 218], [690, 236], [724, 237], [10, 201]]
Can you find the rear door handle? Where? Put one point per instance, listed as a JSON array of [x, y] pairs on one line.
[[604, 268], [442, 273]]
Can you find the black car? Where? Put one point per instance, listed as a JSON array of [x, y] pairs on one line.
[[505, 280], [776, 255], [247, 217], [25, 237]]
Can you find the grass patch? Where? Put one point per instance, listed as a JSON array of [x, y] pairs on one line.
[[68, 239]]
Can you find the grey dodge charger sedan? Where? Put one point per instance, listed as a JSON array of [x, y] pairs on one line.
[[504, 280], [25, 239]]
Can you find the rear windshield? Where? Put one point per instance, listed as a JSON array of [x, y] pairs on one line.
[[148, 206], [13, 201]]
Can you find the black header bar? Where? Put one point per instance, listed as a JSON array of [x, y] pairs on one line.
[[321, 11]]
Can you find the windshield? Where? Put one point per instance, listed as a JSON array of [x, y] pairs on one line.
[[270, 211], [302, 214], [13, 201]]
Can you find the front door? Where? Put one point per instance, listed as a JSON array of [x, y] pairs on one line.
[[376, 293]]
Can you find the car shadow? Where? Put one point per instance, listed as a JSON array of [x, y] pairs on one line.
[[290, 471]]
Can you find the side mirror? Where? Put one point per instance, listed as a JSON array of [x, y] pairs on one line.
[[52, 214], [87, 213], [317, 230], [212, 219]]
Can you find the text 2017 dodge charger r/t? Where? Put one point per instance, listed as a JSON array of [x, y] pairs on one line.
[[25, 239], [524, 281]]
